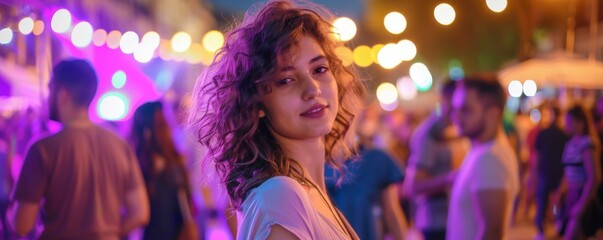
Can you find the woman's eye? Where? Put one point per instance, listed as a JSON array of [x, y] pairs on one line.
[[283, 82], [321, 69]]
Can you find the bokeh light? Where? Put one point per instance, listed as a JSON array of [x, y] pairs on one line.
[[389, 56], [344, 28], [455, 69], [362, 56], [513, 105], [144, 52], [421, 76], [535, 115], [113, 39], [38, 27], [213, 40], [406, 88], [181, 41], [81, 36], [515, 88], [444, 14], [61, 21], [128, 43], [164, 80], [6, 36], [118, 80], [345, 54], [99, 37], [26, 26], [165, 50], [375, 52], [530, 88], [387, 93], [456, 73], [496, 5], [409, 50], [151, 39], [395, 22], [195, 53], [206, 57], [113, 106], [389, 106]]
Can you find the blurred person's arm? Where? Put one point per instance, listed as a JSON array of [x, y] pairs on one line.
[[593, 179], [561, 190], [394, 216], [418, 182], [137, 211], [25, 214], [136, 206], [490, 209], [30, 189], [189, 228]]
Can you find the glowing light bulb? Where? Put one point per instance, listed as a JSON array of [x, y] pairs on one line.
[[395, 22], [81, 36], [128, 42], [61, 21], [515, 88], [387, 93], [496, 6], [213, 40], [181, 41], [444, 14], [26, 26], [344, 28]]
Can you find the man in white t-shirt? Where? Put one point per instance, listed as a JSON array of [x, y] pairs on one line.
[[482, 195]]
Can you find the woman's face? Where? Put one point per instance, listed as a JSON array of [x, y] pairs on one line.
[[303, 102], [572, 126]]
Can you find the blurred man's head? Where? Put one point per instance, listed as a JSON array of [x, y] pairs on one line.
[[446, 94], [550, 113], [73, 84], [478, 104]]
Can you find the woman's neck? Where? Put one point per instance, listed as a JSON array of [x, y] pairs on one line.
[[310, 154]]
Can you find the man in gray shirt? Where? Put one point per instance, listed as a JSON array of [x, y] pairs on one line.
[[429, 171], [86, 179]]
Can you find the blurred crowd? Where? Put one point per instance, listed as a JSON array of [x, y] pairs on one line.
[[401, 183]]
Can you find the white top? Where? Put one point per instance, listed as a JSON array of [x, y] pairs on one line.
[[491, 165], [283, 201]]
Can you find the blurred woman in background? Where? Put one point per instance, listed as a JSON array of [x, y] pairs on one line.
[[581, 174], [165, 175]]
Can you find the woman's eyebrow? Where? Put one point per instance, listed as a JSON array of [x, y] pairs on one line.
[[315, 59]]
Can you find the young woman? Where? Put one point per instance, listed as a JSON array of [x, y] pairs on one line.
[[165, 175], [581, 173], [272, 109]]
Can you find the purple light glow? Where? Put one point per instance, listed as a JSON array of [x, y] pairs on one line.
[[107, 61], [140, 87]]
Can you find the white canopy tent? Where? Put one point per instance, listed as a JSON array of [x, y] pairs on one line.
[[556, 70]]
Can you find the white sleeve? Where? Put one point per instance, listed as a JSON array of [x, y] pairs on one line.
[[280, 201]]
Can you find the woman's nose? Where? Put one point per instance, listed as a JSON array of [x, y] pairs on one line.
[[312, 89]]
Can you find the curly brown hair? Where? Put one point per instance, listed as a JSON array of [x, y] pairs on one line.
[[226, 101]]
